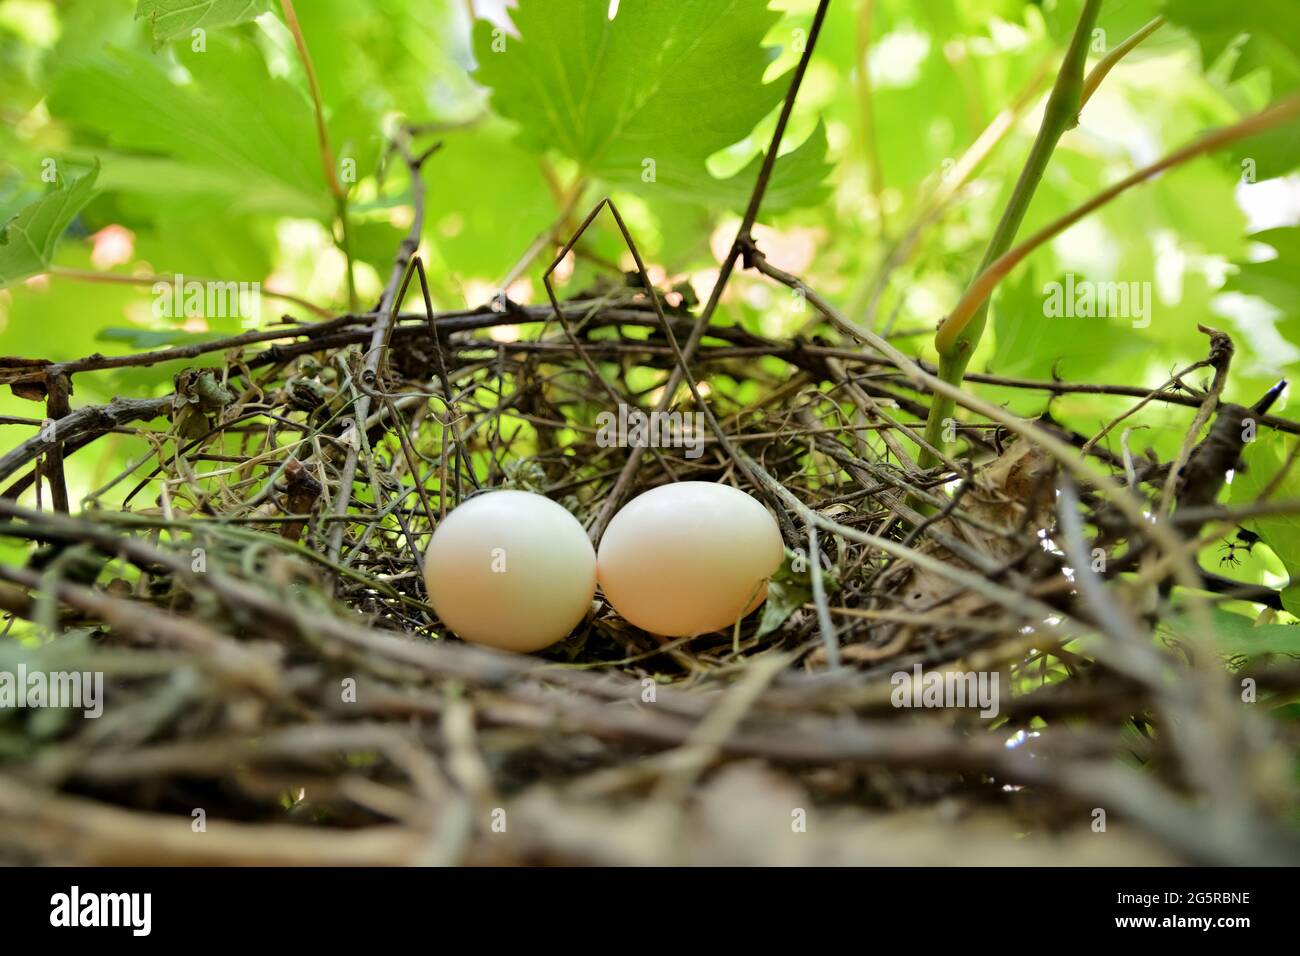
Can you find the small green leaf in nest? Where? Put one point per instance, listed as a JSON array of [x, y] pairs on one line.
[[789, 590]]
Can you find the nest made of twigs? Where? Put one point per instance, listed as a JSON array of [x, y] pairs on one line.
[[251, 588]]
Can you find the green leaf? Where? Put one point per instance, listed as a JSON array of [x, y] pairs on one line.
[[1031, 343], [226, 138], [479, 231], [28, 239], [1260, 37], [1276, 280], [373, 241], [416, 61], [798, 179], [1026, 343], [1266, 32], [172, 18], [787, 591], [1263, 459], [643, 100], [1237, 636]]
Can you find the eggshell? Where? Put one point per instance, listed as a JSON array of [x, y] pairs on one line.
[[688, 558], [510, 569]]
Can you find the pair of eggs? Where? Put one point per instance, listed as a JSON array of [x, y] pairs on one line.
[[515, 570]]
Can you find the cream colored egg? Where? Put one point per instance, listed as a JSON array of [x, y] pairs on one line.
[[688, 558], [511, 570]]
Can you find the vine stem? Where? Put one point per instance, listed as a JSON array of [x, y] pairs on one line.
[[1107, 63], [1060, 115], [323, 143]]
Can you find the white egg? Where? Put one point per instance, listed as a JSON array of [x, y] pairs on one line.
[[688, 558], [510, 569]]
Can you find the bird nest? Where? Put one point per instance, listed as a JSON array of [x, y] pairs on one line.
[[278, 690]]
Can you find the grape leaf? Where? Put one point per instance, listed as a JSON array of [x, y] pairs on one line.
[[173, 18], [1276, 280], [229, 135], [1271, 28], [28, 239], [1237, 635], [1026, 343], [1262, 35], [1030, 342], [645, 98], [417, 62], [1264, 458], [479, 231], [797, 179]]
